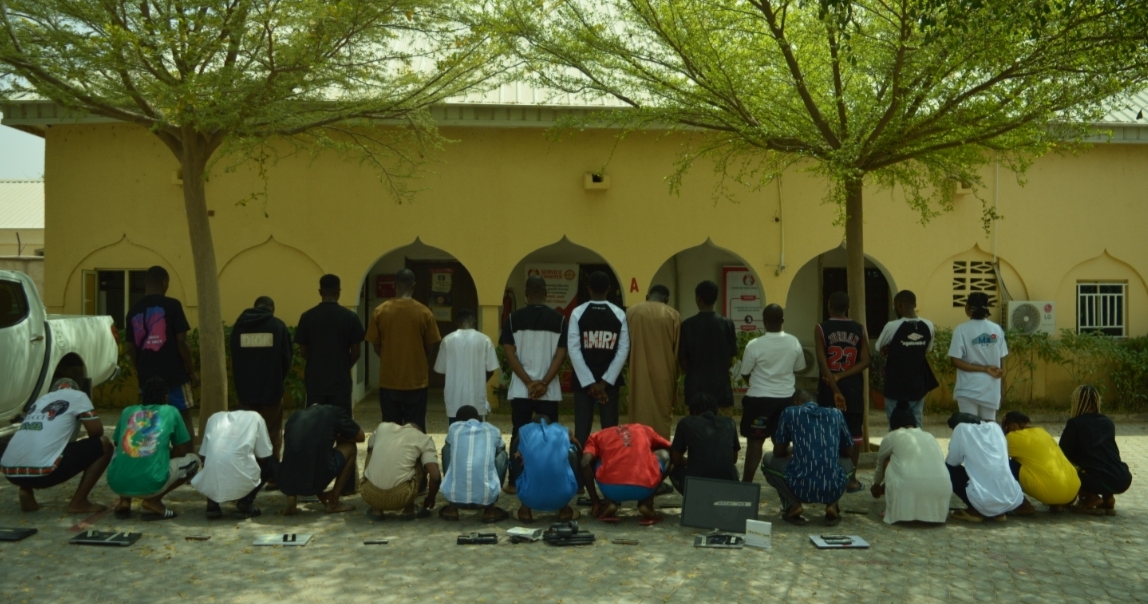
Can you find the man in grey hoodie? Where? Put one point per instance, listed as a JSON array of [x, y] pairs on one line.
[[261, 355]]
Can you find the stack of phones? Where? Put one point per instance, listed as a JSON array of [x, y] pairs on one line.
[[839, 542]]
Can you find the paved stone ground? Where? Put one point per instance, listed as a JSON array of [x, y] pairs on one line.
[[1064, 558]]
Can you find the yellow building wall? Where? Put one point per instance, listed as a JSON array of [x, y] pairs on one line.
[[498, 194]]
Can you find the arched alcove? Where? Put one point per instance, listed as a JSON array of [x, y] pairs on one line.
[[441, 282], [110, 279], [942, 297], [249, 274], [817, 279], [738, 282]]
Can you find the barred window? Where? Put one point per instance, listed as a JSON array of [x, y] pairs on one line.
[[973, 276], [1101, 307]]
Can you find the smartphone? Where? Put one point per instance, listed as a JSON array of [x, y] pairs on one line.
[[376, 542], [197, 537]]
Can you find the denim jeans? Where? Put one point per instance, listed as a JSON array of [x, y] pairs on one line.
[[917, 407]]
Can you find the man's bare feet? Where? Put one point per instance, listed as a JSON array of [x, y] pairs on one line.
[[28, 500], [292, 507], [647, 510], [525, 515], [334, 507], [606, 510], [568, 513], [86, 507]]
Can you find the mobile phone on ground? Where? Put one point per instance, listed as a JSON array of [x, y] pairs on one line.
[[376, 542]]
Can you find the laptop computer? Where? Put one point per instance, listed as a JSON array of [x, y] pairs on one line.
[[16, 534], [723, 505]]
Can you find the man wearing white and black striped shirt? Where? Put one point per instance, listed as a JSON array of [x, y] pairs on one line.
[[598, 344]]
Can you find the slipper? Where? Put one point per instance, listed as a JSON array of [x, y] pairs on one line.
[[573, 516], [797, 520], [499, 516], [966, 516], [647, 521], [526, 520], [448, 517], [832, 520], [420, 512], [123, 514], [609, 519], [153, 516], [857, 489]]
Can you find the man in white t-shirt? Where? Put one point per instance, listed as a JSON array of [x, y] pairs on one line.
[[979, 470], [40, 456], [236, 449], [398, 458], [468, 360], [767, 365]]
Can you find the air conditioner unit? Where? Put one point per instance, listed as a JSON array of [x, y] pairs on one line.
[[1030, 316]]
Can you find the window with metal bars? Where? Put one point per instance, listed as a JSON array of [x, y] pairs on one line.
[[1101, 307], [973, 276]]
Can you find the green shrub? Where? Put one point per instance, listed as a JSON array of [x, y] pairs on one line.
[[1129, 372]]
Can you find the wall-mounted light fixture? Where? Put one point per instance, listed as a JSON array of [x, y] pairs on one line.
[[595, 181]]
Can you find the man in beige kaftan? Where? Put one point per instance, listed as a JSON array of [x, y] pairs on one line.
[[653, 378]]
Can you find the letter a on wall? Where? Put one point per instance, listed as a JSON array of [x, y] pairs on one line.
[[633, 284]]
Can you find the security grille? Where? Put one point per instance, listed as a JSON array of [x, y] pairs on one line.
[[1101, 308], [973, 276]]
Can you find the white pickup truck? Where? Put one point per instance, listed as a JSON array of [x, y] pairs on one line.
[[36, 348]]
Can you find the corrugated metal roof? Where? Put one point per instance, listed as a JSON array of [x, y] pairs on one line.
[[1133, 110], [520, 93], [21, 204]]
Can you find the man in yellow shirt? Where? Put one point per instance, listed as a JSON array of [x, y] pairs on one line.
[[1045, 474]]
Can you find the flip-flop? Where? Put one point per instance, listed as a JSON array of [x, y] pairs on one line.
[[448, 517], [420, 512], [499, 517], [609, 519], [527, 520], [832, 520], [123, 514], [647, 521], [574, 516], [857, 489], [154, 516], [797, 520]]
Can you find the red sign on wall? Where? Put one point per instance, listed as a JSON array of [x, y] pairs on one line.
[[385, 286]]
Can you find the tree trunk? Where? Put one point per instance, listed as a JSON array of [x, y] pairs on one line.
[[855, 273], [212, 359]]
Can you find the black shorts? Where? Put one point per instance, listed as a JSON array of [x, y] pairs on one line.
[[77, 456], [855, 421], [760, 414], [854, 398], [334, 465]]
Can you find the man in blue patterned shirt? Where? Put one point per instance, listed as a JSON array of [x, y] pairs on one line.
[[818, 468]]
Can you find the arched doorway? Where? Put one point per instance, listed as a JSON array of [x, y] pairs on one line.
[[566, 266], [741, 298], [805, 306], [442, 283]]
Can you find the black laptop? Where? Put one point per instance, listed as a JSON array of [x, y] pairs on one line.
[[16, 534], [724, 505]]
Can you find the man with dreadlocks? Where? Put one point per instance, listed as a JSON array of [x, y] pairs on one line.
[[1089, 442]]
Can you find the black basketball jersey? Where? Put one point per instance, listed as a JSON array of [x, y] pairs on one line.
[[842, 339], [908, 376]]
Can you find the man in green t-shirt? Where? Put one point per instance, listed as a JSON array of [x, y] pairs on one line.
[[153, 454]]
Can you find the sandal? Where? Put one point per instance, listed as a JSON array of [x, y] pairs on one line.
[[529, 520], [167, 514], [832, 518], [447, 516], [651, 521], [123, 514], [420, 512], [574, 515], [499, 515], [797, 520], [966, 516]]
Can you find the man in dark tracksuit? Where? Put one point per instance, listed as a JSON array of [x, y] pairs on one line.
[[261, 355]]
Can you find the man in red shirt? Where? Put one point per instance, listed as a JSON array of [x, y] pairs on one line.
[[629, 463]]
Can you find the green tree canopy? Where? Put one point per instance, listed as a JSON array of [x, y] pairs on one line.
[[911, 94], [212, 77]]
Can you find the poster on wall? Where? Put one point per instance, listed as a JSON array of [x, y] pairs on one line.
[[743, 299], [561, 284], [385, 286], [441, 280]]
